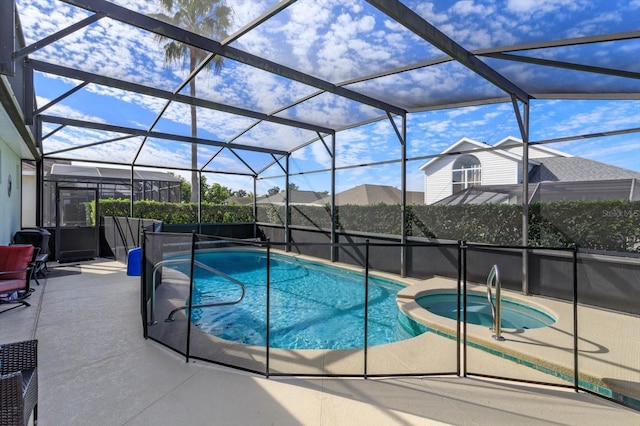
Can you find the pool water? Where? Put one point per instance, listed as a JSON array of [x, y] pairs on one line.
[[312, 306], [513, 315]]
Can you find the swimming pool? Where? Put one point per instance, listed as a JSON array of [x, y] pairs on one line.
[[514, 315], [312, 306]]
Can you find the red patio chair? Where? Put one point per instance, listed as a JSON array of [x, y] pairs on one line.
[[15, 274]]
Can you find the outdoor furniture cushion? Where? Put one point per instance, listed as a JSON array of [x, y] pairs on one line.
[[15, 260], [7, 286], [15, 274]]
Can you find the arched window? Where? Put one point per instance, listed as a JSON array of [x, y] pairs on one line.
[[466, 172]]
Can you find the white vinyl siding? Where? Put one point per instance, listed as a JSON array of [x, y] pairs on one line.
[[438, 181], [496, 170]]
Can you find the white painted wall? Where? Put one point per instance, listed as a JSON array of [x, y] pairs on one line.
[[497, 169], [9, 204], [438, 180], [29, 199]]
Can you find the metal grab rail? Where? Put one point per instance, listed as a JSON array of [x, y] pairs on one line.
[[494, 280], [170, 318]]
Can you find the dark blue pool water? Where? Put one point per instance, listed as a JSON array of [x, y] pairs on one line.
[[312, 306]]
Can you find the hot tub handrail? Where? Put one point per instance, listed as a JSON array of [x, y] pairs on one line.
[[494, 280], [162, 263]]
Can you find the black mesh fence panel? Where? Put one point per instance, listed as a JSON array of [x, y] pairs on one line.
[[228, 311], [608, 327], [535, 340], [166, 282], [260, 307], [405, 338]]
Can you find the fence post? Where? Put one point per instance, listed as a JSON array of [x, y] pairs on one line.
[[576, 383], [268, 310], [143, 284], [193, 256], [366, 306], [463, 248]]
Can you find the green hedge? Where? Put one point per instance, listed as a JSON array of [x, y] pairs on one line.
[[176, 212], [484, 223], [604, 225]]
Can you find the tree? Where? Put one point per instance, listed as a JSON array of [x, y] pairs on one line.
[[185, 188], [273, 191], [216, 194], [204, 187], [293, 187], [209, 18], [240, 193]]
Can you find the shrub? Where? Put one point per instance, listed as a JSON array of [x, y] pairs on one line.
[[603, 225], [174, 213]]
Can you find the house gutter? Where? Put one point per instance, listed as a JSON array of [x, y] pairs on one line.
[[12, 109]]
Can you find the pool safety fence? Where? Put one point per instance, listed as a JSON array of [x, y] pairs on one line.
[[121, 234], [585, 347]]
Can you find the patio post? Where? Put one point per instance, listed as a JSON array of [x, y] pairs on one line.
[[402, 137], [287, 213], [255, 206], [403, 206], [39, 184], [523, 123], [525, 200], [334, 237], [199, 199], [131, 195]]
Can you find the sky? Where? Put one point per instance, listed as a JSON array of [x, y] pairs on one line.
[[337, 41]]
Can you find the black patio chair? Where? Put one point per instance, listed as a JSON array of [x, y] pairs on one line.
[[39, 238], [19, 382]]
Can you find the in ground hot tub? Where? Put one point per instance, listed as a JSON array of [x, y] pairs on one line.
[[514, 314]]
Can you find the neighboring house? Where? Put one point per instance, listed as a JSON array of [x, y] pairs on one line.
[[367, 194], [238, 201], [473, 172], [363, 195], [295, 197]]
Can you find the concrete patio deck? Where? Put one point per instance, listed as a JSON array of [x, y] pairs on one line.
[[96, 369]]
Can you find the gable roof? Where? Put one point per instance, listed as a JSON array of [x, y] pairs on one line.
[[573, 169], [453, 150], [508, 143], [295, 197], [367, 194], [241, 201]]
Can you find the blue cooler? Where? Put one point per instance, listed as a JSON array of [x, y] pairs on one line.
[[134, 262]]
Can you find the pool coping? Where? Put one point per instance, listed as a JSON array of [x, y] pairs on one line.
[[512, 349]]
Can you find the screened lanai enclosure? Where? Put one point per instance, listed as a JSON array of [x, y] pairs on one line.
[[424, 140]]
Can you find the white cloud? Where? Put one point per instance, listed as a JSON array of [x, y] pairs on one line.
[[60, 110], [470, 7], [544, 6], [335, 40]]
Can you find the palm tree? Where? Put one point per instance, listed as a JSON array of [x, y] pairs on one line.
[[209, 18]]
